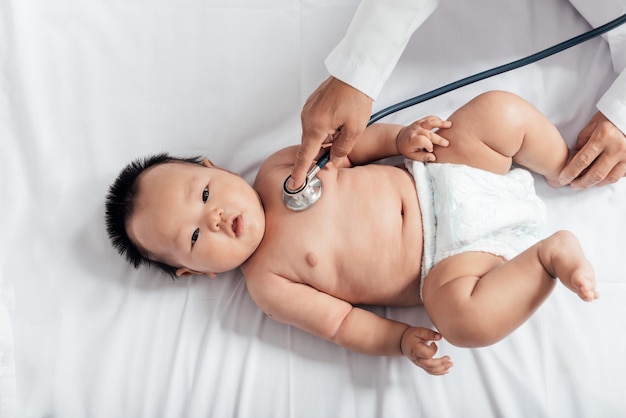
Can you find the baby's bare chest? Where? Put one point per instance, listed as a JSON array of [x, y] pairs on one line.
[[357, 243]]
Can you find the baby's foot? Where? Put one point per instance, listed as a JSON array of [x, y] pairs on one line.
[[568, 263], [553, 181]]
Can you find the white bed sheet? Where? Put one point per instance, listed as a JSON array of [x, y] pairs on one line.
[[87, 86]]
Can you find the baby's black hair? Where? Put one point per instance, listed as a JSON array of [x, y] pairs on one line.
[[119, 206]]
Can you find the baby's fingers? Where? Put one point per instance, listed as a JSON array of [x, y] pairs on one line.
[[434, 122], [427, 334], [420, 351], [425, 138], [417, 141], [423, 350], [417, 145], [420, 155], [436, 366], [437, 139]]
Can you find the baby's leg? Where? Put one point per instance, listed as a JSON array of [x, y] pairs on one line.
[[475, 299], [495, 129]]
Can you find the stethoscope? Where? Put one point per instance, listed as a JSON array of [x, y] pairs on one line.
[[306, 195]]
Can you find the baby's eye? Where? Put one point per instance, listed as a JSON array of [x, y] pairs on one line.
[[205, 195], [194, 236]]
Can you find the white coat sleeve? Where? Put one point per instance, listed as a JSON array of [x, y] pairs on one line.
[[598, 12], [377, 36]]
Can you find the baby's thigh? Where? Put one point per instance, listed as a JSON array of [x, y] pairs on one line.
[[467, 148], [469, 267], [482, 134], [449, 292]]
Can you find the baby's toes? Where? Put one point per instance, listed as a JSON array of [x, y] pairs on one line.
[[588, 295], [584, 283]]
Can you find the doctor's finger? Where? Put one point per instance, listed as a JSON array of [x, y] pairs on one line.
[[305, 155], [598, 171], [585, 134], [581, 160], [344, 142], [615, 175]]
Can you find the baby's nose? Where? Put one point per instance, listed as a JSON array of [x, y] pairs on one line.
[[215, 219]]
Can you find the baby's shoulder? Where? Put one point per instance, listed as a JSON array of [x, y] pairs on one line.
[[283, 158], [264, 285]]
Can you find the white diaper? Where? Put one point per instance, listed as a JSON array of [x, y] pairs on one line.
[[467, 209]]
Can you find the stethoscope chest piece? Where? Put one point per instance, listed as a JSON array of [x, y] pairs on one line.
[[305, 196]]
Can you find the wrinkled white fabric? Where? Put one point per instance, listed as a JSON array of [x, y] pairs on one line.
[[466, 209], [88, 86], [7, 363]]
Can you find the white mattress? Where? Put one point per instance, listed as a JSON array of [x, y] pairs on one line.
[[87, 86]]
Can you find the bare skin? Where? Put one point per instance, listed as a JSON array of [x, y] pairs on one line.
[[352, 269], [362, 242], [600, 157], [335, 112]]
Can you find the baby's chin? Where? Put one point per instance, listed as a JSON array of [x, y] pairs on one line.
[[232, 265], [240, 262]]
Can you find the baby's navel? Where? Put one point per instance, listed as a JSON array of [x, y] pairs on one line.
[[311, 260]]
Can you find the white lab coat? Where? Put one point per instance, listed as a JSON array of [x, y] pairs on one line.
[[381, 29], [598, 12]]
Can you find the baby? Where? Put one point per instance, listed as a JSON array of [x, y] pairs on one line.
[[455, 229]]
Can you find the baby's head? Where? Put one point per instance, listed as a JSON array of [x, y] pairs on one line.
[[183, 215]]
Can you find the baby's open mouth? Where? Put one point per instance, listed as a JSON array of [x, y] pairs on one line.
[[237, 226]]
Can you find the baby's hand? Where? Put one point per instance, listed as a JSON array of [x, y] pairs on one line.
[[417, 140], [415, 348]]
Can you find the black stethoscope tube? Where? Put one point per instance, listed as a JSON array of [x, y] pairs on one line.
[[289, 195], [500, 69]]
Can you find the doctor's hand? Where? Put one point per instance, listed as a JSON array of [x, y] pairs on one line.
[[336, 112], [600, 157], [414, 346]]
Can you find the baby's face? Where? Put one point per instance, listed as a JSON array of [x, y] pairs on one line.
[[199, 217]]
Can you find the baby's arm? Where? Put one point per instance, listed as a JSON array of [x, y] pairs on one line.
[[489, 132], [416, 141], [380, 140], [350, 327]]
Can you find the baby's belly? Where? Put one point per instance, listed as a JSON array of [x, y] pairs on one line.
[[370, 282], [372, 253]]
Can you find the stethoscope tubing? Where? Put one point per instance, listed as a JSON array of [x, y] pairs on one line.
[[323, 160]]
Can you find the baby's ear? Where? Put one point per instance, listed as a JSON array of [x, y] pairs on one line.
[[208, 163], [185, 272]]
